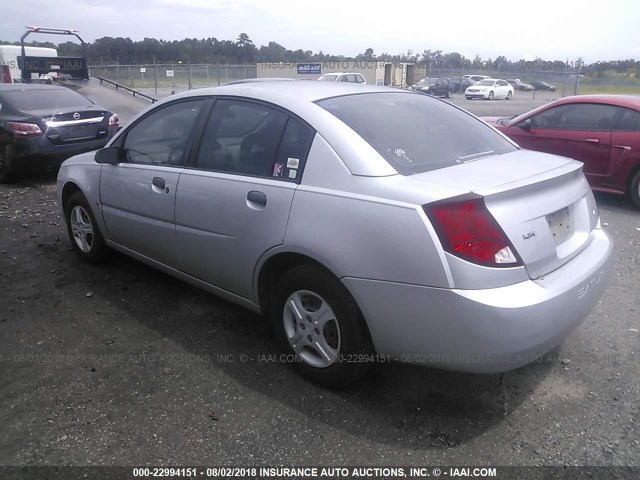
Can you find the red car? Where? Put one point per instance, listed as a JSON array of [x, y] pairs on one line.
[[602, 131]]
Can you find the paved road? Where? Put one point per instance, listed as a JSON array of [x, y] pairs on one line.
[[118, 364], [124, 104], [522, 102]]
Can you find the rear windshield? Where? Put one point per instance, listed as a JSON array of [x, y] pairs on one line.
[[416, 133], [45, 99], [328, 78]]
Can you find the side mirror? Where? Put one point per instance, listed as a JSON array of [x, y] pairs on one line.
[[526, 125], [108, 155]]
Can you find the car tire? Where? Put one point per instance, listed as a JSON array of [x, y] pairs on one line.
[[448, 94], [7, 170], [509, 95], [321, 353], [491, 95], [84, 234], [634, 189]]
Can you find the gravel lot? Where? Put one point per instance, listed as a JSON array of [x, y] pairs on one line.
[[121, 365]]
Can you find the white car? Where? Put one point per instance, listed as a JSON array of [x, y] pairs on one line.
[[476, 78], [489, 89], [350, 77]]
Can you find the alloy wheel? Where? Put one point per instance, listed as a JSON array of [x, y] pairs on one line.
[[82, 229], [312, 328]]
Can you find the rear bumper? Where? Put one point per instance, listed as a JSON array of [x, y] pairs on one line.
[[484, 331], [38, 151]]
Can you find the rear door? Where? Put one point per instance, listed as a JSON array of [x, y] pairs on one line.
[[233, 204], [138, 195], [581, 131], [502, 88]]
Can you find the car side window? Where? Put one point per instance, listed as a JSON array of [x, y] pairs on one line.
[[241, 137], [162, 137], [293, 150], [343, 78], [628, 121], [359, 79], [582, 116]]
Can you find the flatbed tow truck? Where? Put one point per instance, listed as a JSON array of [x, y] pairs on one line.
[[71, 68]]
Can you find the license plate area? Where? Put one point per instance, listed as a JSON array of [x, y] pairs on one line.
[[561, 225]]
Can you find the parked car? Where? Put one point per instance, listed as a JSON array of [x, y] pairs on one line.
[[369, 223], [259, 80], [439, 87], [476, 78], [489, 89], [41, 125], [349, 77], [538, 85], [461, 84], [517, 84], [602, 131]]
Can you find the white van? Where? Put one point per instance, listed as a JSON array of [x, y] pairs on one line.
[[9, 58]]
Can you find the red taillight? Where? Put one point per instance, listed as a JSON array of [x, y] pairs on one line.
[[6, 74], [467, 230], [114, 121], [25, 129]]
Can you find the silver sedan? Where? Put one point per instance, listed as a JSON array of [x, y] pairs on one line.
[[367, 223]]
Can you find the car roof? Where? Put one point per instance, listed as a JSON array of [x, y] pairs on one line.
[[342, 73], [12, 87], [258, 80], [629, 101], [287, 94]]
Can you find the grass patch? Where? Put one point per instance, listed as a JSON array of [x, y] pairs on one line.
[[585, 88]]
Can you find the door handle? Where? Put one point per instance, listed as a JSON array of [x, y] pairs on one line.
[[159, 182], [159, 185], [592, 140], [624, 147], [256, 198]]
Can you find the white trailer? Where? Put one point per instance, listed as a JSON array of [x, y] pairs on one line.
[[9, 58]]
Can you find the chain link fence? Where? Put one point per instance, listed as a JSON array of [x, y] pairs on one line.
[[161, 80]]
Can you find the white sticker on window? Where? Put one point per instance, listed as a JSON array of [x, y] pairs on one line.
[[293, 173], [293, 163]]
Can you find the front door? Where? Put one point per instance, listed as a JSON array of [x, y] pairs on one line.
[[138, 194], [579, 131]]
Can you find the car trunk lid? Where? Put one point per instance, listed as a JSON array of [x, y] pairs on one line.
[[542, 202], [85, 123]]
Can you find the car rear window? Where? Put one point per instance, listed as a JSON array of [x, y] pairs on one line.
[[416, 133], [45, 99]]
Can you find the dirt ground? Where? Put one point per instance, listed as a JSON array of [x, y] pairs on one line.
[[118, 364]]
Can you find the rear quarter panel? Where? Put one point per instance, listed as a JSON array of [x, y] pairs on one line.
[[355, 228]]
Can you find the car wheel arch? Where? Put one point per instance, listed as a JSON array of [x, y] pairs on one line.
[[274, 267], [633, 191], [69, 189]]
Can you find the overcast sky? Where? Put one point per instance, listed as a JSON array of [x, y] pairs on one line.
[[550, 29]]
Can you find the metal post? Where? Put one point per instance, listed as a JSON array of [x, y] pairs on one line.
[[173, 80], [155, 70], [189, 73]]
